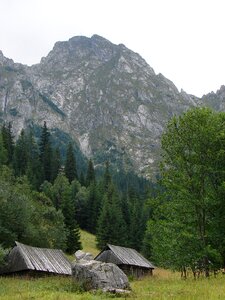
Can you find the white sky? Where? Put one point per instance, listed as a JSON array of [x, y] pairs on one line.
[[182, 39]]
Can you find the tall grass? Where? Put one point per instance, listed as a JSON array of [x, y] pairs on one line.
[[162, 285], [169, 285]]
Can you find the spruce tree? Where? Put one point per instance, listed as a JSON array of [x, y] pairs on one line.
[[3, 153], [46, 153], [73, 238], [93, 207], [34, 166], [107, 179], [62, 198], [105, 223], [56, 163], [8, 142], [20, 157], [90, 173], [111, 225], [70, 164], [137, 225]]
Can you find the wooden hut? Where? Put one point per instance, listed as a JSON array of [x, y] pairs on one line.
[[127, 259], [24, 259]]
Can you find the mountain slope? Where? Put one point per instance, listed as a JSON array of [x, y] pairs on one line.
[[104, 95]]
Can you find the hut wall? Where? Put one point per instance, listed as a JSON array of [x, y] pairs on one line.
[[135, 271]]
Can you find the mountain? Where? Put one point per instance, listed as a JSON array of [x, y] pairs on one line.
[[105, 96]]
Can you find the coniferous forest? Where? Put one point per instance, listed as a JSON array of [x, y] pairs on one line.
[[45, 198]]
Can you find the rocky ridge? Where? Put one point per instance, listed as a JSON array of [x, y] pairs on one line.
[[104, 95]]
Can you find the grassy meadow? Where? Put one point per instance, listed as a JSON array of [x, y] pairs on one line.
[[163, 284]]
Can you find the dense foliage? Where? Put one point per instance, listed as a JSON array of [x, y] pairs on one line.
[[187, 224]]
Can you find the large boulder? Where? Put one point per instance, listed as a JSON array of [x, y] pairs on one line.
[[94, 275]]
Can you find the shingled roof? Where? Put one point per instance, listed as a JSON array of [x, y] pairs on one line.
[[123, 256], [24, 258]]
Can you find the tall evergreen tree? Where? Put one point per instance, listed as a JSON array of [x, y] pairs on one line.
[[34, 167], [3, 152], [21, 155], [56, 163], [62, 198], [111, 225], [8, 143], [73, 239], [93, 207], [46, 153], [90, 173], [137, 225], [70, 164], [107, 178]]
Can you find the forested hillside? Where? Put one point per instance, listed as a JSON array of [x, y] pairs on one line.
[[45, 198]]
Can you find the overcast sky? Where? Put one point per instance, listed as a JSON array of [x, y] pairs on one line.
[[182, 39]]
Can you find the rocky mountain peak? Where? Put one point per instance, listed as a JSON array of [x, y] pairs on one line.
[[79, 49], [104, 95]]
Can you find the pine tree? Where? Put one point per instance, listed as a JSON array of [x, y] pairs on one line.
[[34, 166], [70, 164], [56, 163], [46, 153], [105, 223], [73, 239], [137, 225], [111, 225], [20, 157], [62, 198], [107, 179], [8, 142], [90, 173], [3, 153], [93, 207], [137, 221]]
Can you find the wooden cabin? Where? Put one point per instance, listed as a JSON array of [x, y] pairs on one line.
[[27, 260], [128, 260]]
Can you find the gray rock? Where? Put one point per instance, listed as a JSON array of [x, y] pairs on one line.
[[88, 256], [94, 275], [80, 255]]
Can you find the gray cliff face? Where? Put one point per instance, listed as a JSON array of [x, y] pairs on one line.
[[104, 95]]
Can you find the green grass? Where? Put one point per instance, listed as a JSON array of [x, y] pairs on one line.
[[162, 285], [168, 285], [88, 242]]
